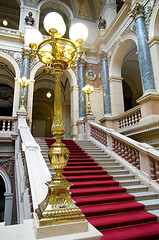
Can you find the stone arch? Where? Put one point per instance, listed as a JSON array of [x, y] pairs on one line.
[[69, 73], [63, 7], [74, 111], [11, 63], [119, 52], [123, 61], [14, 84], [8, 197], [153, 25]]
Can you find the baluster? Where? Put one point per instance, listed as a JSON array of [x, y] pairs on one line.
[[152, 169], [3, 126], [139, 116], [129, 121], [126, 153], [133, 158], [121, 121], [137, 160], [8, 127], [136, 118], [157, 171], [133, 121], [119, 148], [122, 150], [126, 122], [129, 155], [119, 124]]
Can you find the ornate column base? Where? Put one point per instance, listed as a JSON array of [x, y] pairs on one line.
[[149, 104], [58, 207]]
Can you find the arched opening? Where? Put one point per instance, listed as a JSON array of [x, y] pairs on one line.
[[51, 6], [130, 72], [10, 10], [43, 107], [2, 199], [6, 100], [125, 70], [6, 88]]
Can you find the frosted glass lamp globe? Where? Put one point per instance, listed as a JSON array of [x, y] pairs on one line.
[[78, 31], [5, 22], [32, 36], [54, 20]]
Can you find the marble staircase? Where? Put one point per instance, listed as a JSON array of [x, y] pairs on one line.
[[126, 179]]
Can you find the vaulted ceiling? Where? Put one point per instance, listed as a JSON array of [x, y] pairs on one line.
[[88, 10]]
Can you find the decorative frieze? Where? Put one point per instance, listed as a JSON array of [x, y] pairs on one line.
[[14, 55], [8, 163]]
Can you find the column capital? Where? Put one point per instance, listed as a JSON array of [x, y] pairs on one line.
[[103, 56], [81, 62], [26, 53], [137, 11]]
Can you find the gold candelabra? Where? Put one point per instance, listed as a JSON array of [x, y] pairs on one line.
[[88, 89], [58, 54], [23, 83]]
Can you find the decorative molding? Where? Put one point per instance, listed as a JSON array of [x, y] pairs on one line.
[[13, 54], [8, 162]]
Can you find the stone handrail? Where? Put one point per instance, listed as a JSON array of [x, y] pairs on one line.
[[140, 158], [38, 172], [7, 124], [129, 118]]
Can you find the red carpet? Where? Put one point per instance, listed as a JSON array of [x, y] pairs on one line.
[[105, 204]]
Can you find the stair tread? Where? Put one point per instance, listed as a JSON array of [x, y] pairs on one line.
[[151, 232], [120, 220]]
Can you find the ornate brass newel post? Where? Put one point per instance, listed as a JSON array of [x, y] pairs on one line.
[[58, 54]]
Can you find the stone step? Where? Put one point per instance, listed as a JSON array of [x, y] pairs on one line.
[[105, 160], [136, 188], [150, 204], [111, 168], [139, 196], [155, 212], [106, 163], [116, 172], [129, 182], [124, 176]]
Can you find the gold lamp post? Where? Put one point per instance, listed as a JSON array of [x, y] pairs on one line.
[[58, 54], [88, 89], [23, 83]]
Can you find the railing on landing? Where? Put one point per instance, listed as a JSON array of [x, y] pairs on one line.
[[129, 118], [140, 158], [7, 124]]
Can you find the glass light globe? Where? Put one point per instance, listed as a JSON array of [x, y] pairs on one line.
[[78, 31], [5, 22], [48, 94], [54, 20], [32, 36]]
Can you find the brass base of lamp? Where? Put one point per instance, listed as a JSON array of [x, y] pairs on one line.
[[58, 207]]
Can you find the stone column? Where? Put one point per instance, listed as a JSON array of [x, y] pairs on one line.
[[30, 101], [117, 100], [16, 97], [8, 208], [144, 52], [105, 81], [25, 73], [149, 102], [81, 84]]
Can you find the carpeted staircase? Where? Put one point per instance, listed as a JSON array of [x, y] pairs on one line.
[[107, 205]]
